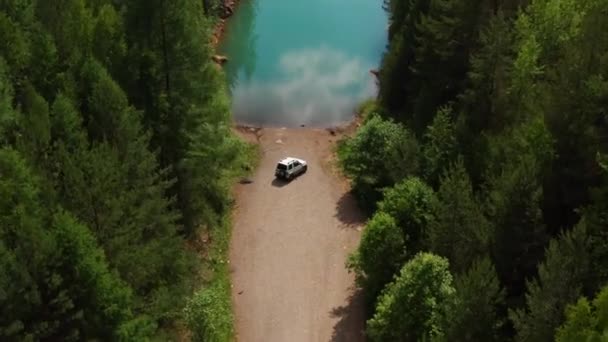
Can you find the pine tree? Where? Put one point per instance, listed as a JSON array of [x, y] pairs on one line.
[[475, 314], [34, 126], [108, 38], [16, 47], [395, 91], [184, 103], [460, 231], [55, 282], [560, 281], [517, 160], [122, 170], [70, 24], [586, 321], [121, 194], [8, 117], [440, 146]]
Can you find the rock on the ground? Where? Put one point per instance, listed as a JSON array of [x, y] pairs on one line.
[[227, 10], [219, 59]]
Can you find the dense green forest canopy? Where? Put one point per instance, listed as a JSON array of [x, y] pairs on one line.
[[115, 153], [482, 167], [486, 148]]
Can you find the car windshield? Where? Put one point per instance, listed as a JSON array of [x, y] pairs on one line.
[[281, 167]]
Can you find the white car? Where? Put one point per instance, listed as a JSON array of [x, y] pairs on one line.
[[289, 168]]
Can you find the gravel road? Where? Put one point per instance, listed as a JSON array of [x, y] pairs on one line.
[[289, 245]]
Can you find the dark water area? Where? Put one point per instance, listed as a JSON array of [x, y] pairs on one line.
[[295, 63]]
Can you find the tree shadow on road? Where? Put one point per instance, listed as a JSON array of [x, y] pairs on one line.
[[350, 326], [348, 212]]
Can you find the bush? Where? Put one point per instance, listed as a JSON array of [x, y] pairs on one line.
[[413, 307], [411, 203], [367, 108], [382, 153], [380, 254], [209, 314]]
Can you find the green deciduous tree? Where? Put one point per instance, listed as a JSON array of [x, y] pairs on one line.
[[380, 255], [411, 203], [209, 315], [526, 83], [414, 305], [382, 153]]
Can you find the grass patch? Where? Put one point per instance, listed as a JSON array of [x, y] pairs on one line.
[[252, 155], [367, 107], [208, 313]]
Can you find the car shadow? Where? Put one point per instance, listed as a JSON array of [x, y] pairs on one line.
[[279, 183]]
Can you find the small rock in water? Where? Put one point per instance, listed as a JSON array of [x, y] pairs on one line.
[[302, 125]]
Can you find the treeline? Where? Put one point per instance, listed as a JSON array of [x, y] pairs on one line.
[[115, 155], [482, 167]]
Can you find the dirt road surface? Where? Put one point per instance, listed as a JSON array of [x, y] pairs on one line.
[[289, 245]]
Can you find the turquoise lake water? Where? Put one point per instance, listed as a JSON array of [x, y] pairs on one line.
[[297, 62]]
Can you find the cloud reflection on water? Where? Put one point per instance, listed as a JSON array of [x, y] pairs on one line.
[[311, 86]]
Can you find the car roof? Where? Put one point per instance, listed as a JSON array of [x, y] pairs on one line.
[[288, 160]]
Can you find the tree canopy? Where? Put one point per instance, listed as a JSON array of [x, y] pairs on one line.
[[115, 152], [503, 106]]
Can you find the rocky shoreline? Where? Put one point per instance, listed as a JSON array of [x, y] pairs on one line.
[[226, 11]]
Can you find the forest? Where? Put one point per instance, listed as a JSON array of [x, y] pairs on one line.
[[116, 160], [482, 166]]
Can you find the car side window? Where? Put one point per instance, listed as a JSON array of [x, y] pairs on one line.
[[290, 166]]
